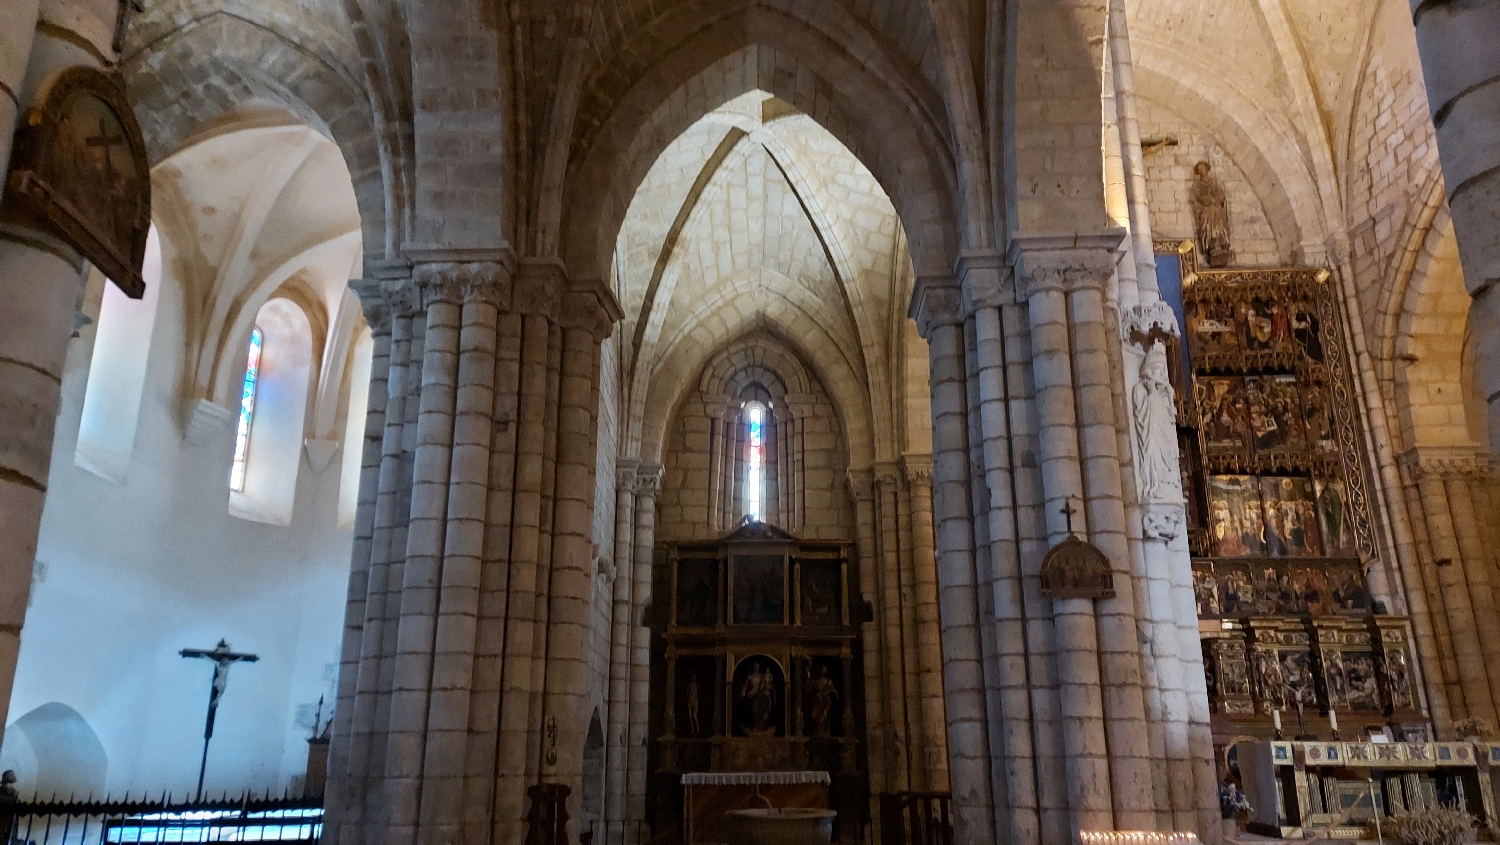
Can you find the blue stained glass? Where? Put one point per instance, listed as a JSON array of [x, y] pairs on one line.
[[247, 412], [753, 481]]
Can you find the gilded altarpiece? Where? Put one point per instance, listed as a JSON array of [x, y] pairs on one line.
[[757, 665], [1278, 505]]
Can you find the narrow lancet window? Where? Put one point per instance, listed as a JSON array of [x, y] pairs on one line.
[[247, 412], [755, 466]]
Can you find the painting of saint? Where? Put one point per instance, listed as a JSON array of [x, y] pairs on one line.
[[759, 590], [758, 687], [1260, 327], [1347, 590], [1268, 678], [1278, 594], [1316, 418], [1206, 589], [1275, 413], [1213, 328], [1307, 331], [1296, 676], [1236, 522], [698, 592], [1361, 681], [1397, 679], [1236, 590], [823, 703], [1333, 521], [1311, 585], [1291, 529], [1224, 409], [821, 593]]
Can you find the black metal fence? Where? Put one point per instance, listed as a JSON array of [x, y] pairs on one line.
[[161, 820]]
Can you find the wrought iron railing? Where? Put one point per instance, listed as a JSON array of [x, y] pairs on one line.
[[162, 820], [916, 818]]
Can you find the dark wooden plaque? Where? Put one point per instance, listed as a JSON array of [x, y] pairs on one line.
[[79, 169], [1076, 569]]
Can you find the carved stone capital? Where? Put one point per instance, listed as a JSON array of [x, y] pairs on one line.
[[1162, 521], [459, 282], [591, 305], [372, 301], [1065, 264], [936, 301], [648, 481], [887, 475], [539, 288], [861, 485], [917, 468], [625, 473], [402, 298], [985, 281]]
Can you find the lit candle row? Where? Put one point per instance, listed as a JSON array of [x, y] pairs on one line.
[[1137, 837]]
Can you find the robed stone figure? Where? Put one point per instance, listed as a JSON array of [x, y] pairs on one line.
[[1211, 216]]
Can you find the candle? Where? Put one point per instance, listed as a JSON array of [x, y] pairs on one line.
[[1333, 720], [1276, 719]]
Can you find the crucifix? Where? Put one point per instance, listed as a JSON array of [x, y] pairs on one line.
[[223, 658], [1068, 511]]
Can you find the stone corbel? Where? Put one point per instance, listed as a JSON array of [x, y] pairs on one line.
[[1444, 461], [985, 281], [320, 453], [917, 468], [1162, 520], [861, 485], [1143, 325], [592, 306], [373, 303], [936, 301]]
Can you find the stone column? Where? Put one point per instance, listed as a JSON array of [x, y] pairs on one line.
[[484, 289], [904, 743], [616, 759], [1478, 564], [1461, 67], [15, 50], [1454, 588], [918, 470], [41, 281], [1016, 751], [718, 448], [936, 307], [648, 485], [1085, 748], [412, 691], [878, 716], [589, 313], [339, 796]]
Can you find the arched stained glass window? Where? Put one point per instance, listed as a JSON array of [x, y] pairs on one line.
[[247, 411], [755, 471]]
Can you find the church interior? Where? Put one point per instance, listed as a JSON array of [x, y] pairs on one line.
[[716, 422]]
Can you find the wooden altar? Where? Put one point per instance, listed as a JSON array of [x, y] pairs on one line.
[[757, 669]]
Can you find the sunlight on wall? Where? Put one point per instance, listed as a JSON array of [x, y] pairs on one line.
[[354, 429], [275, 447], [117, 373]]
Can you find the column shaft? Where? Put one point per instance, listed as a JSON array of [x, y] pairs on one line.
[[616, 760]]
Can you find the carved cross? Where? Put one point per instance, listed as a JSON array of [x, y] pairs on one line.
[[104, 139], [1068, 511]]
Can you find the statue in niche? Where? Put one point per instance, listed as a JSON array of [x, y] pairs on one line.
[[1156, 428], [1211, 216], [694, 706], [756, 702], [822, 694]]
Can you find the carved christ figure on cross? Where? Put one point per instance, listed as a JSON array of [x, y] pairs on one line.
[[223, 657]]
